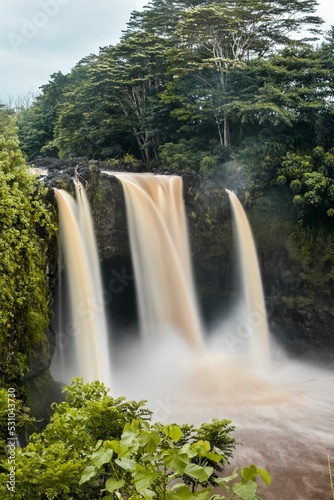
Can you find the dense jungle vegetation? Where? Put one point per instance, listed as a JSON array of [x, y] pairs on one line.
[[194, 83], [26, 226]]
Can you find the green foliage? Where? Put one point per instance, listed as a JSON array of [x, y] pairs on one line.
[[183, 71], [184, 155], [25, 227], [180, 156], [192, 84], [36, 124], [155, 461], [96, 445], [218, 434], [22, 418], [311, 179], [52, 463]]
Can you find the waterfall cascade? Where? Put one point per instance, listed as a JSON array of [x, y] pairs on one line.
[[256, 315], [90, 357], [164, 282], [161, 257]]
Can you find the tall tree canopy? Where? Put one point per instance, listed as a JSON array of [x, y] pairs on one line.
[[193, 82], [164, 80]]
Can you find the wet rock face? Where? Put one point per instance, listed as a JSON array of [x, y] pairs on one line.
[[301, 315]]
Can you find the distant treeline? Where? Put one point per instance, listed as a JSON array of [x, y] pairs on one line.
[[194, 83]]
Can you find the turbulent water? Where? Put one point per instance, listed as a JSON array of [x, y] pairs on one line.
[[283, 410], [284, 421]]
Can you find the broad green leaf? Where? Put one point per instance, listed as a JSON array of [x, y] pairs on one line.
[[149, 440], [246, 490], [203, 494], [127, 426], [173, 431], [144, 425], [98, 444], [109, 444], [201, 448], [102, 456], [144, 480], [148, 494], [265, 476], [228, 478], [89, 472], [199, 473], [176, 460], [130, 439], [135, 425], [182, 492], [187, 448], [214, 457], [249, 473], [120, 448], [126, 463], [152, 457], [113, 484]]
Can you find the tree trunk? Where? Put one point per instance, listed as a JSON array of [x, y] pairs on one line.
[[221, 139], [227, 139]]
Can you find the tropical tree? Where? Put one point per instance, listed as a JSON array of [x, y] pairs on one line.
[[154, 461], [73, 127], [36, 122], [137, 68], [231, 32]]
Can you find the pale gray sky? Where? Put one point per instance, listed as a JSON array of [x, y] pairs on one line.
[[41, 37]]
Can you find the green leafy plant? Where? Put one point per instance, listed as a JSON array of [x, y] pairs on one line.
[[26, 226], [151, 461], [310, 178]]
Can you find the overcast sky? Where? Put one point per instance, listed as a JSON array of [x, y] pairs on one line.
[[41, 37]]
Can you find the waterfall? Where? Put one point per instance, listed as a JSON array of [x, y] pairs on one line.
[[91, 358], [160, 254], [282, 415], [256, 315]]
